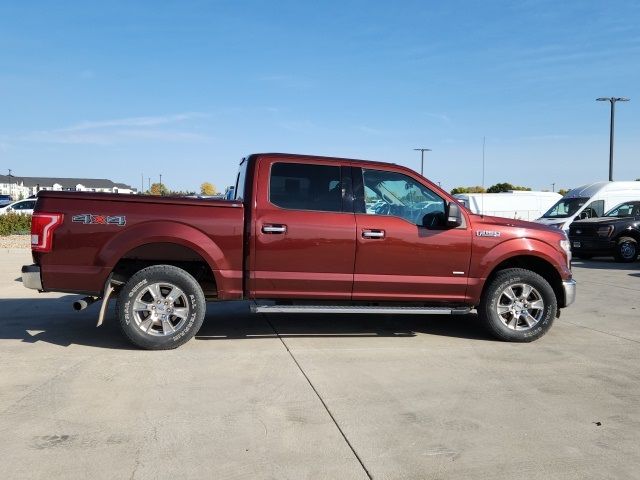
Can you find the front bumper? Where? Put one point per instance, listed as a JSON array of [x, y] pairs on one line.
[[569, 287], [31, 277], [590, 244]]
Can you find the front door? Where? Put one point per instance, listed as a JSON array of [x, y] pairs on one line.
[[304, 230], [404, 251]]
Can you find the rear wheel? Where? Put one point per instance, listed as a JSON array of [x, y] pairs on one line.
[[518, 305], [161, 307], [626, 250]]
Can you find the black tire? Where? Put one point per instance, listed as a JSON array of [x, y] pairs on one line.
[[168, 322], [493, 296], [584, 256], [626, 250]]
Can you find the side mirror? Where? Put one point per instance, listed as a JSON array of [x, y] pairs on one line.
[[454, 216]]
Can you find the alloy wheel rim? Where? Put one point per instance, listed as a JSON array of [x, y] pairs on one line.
[[520, 307], [161, 309]]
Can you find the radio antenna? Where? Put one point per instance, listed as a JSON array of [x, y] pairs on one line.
[[483, 191]]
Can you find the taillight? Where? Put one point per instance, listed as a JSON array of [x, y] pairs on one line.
[[42, 227]]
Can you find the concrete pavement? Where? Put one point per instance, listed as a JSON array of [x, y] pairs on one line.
[[336, 397]]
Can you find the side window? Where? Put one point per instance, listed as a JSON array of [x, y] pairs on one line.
[[21, 206], [390, 193], [298, 186], [594, 209]]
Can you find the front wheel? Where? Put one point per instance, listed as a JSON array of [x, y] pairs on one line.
[[626, 250], [518, 305], [161, 307]]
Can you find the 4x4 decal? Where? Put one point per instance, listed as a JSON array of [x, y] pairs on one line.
[[89, 219]]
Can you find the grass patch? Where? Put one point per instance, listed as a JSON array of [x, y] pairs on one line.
[[15, 224]]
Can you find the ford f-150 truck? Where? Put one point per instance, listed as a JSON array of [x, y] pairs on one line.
[[616, 234], [303, 234]]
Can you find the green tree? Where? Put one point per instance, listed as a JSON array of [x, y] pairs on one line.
[[207, 189], [563, 191], [159, 189], [476, 189], [505, 187]]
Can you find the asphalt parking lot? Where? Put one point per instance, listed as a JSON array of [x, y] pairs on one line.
[[336, 397]]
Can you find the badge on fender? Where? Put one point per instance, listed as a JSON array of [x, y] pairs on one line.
[[89, 219], [487, 233]]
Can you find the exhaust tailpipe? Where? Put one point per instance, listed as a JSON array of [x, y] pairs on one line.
[[83, 303]]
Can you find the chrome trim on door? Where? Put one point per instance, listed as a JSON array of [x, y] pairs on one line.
[[373, 233], [274, 229]]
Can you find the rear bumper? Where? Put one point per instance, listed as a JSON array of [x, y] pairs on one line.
[[569, 287], [31, 277]]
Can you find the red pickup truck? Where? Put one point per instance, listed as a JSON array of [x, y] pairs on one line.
[[304, 234]]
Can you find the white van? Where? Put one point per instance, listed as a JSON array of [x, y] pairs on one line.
[[523, 205], [588, 201]]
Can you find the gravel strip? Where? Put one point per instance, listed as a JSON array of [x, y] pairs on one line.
[[15, 241]]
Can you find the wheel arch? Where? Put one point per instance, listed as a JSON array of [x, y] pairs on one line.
[[170, 243], [534, 263], [167, 253], [633, 233]]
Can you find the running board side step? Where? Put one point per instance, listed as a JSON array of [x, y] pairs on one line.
[[261, 308]]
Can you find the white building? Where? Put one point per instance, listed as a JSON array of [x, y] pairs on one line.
[[24, 187]]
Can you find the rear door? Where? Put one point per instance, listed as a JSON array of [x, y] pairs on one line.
[[399, 258], [304, 230]]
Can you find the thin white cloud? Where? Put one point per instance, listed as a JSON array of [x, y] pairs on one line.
[[287, 81], [135, 121], [439, 116], [108, 132]]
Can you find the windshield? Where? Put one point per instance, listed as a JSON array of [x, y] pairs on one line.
[[565, 207], [629, 209]]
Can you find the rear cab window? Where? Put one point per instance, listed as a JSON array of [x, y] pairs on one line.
[[298, 186]]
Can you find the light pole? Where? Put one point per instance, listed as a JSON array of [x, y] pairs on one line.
[[613, 101], [553, 187], [422, 150], [160, 179]]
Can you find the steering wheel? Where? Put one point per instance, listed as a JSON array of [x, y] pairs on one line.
[[383, 209], [588, 213]]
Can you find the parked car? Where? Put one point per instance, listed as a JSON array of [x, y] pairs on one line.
[[589, 201], [5, 200], [523, 205], [295, 239], [24, 207], [615, 234]]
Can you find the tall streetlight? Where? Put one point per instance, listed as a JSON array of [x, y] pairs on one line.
[[422, 150], [613, 101]]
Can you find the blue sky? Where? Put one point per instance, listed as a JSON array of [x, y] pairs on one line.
[[186, 88]]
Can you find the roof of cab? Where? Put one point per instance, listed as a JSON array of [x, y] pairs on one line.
[[323, 158]]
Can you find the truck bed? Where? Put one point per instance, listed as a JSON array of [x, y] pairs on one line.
[[102, 230]]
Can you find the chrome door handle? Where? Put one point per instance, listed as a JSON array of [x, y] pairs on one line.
[[274, 228], [373, 233]]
